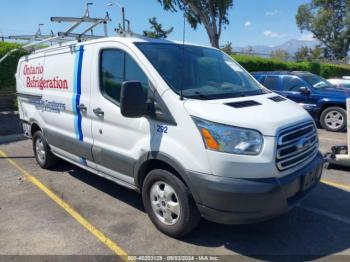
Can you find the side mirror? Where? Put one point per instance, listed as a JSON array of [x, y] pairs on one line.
[[133, 100], [304, 90]]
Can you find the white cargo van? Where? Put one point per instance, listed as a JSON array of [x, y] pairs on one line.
[[184, 125]]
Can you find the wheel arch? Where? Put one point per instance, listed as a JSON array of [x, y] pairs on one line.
[[34, 126], [156, 160], [331, 104]]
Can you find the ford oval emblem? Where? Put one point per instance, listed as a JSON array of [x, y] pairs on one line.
[[302, 143]]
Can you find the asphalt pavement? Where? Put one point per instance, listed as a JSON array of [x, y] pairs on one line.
[[105, 219]]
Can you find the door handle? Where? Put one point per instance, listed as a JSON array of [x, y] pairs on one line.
[[82, 108], [98, 111]]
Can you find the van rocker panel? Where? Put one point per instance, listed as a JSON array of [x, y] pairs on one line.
[[69, 144]]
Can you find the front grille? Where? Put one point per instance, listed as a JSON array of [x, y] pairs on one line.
[[296, 145]]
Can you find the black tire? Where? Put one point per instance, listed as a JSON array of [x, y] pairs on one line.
[[49, 159], [326, 121], [189, 216]]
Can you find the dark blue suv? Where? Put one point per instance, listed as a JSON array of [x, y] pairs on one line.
[[320, 98]]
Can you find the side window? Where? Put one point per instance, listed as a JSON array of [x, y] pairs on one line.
[[291, 83], [272, 82], [112, 73], [116, 67], [134, 72]]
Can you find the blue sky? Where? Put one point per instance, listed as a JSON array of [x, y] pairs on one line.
[[252, 22]]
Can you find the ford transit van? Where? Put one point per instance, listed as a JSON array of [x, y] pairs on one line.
[[184, 125]]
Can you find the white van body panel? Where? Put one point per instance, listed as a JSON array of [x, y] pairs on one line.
[[118, 141], [268, 117], [182, 141], [140, 135], [30, 97]]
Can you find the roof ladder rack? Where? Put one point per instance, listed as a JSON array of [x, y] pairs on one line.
[[38, 39], [80, 20], [31, 41]]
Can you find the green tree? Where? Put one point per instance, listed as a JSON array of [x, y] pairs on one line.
[[157, 30], [8, 66], [227, 48], [329, 21], [316, 53], [302, 54], [213, 14], [279, 54]]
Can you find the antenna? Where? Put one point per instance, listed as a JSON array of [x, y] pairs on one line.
[[184, 30], [183, 57]]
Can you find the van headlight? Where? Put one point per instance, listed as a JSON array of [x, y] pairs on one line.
[[229, 139]]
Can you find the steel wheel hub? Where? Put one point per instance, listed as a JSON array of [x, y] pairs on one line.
[[165, 203], [40, 150]]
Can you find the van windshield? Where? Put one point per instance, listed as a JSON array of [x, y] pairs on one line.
[[200, 72]]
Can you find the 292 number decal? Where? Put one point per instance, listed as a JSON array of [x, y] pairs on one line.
[[162, 129]]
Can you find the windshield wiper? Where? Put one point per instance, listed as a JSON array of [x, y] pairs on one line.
[[198, 94], [201, 95]]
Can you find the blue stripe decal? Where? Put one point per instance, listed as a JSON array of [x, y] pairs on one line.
[[77, 93]]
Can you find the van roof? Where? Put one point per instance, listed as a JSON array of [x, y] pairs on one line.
[[127, 40]]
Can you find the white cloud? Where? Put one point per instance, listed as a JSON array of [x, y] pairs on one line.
[[272, 13], [271, 34], [247, 24], [306, 37]]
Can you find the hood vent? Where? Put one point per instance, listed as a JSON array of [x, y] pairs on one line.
[[277, 98], [241, 104]]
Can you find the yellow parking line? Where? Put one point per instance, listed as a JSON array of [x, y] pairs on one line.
[[93, 230], [335, 184]]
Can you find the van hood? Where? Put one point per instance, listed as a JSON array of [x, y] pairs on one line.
[[268, 116]]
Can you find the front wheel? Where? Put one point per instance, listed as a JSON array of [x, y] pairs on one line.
[[333, 119], [169, 203]]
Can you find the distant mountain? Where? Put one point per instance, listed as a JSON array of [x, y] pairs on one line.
[[290, 46]]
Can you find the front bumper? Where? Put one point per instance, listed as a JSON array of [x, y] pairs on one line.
[[243, 201]]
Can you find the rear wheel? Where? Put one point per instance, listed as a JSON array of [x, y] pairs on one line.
[[42, 152], [333, 119], [169, 203]]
